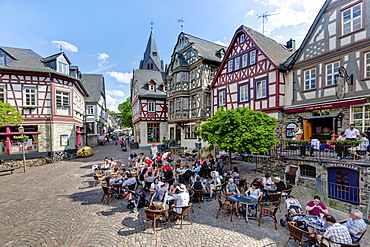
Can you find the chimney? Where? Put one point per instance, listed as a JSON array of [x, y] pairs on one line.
[[291, 44]]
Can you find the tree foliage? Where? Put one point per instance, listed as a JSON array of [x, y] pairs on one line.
[[9, 114], [125, 113], [240, 130]]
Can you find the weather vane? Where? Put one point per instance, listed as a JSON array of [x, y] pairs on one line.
[[60, 47], [152, 24], [182, 25], [264, 16]]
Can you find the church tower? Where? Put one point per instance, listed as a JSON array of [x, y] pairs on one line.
[[151, 59]]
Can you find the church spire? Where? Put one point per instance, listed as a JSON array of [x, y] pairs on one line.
[[151, 59]]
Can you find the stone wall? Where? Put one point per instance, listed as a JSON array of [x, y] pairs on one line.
[[63, 129]]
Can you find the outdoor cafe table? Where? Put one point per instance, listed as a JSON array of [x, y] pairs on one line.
[[314, 222], [248, 201]]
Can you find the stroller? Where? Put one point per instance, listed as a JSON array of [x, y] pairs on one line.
[[136, 199], [294, 213]]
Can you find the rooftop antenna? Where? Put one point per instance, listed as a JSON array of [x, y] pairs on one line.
[[151, 24], [264, 16], [182, 25], [60, 47]]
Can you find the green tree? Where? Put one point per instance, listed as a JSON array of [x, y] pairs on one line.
[[239, 130], [125, 113], [9, 114]]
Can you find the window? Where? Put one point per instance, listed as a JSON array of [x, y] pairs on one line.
[[153, 132], [151, 106], [261, 89], [2, 60], [367, 65], [310, 79], [244, 93], [2, 94], [185, 103], [222, 97], [151, 87], [154, 53], [361, 117], [332, 73], [29, 97], [149, 66], [63, 68], [164, 88], [185, 76], [237, 63], [308, 171], [230, 66], [252, 57], [190, 132], [90, 110], [245, 60], [351, 19], [62, 98], [172, 133], [342, 180], [242, 38]]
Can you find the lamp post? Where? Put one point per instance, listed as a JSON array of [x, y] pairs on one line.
[[197, 124], [21, 130]]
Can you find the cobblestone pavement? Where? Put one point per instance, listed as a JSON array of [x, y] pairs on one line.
[[56, 205]]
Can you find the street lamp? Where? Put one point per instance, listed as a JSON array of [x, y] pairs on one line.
[[197, 124], [21, 130]]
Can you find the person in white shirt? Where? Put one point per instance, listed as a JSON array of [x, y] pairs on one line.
[[315, 145], [339, 148], [182, 197], [153, 150], [352, 133], [361, 147], [266, 180]]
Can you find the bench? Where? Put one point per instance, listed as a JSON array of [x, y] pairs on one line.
[[8, 170]]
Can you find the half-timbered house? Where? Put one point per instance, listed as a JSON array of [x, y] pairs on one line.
[[148, 98], [194, 62], [50, 98], [249, 75], [330, 89], [96, 111]]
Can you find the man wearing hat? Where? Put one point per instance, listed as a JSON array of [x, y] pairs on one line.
[[181, 197]]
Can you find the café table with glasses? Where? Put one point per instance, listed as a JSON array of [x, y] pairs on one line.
[[248, 201], [315, 222]]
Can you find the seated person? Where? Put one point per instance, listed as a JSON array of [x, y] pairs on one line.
[[355, 224], [258, 180], [197, 167], [155, 185], [186, 152], [198, 185], [130, 182], [216, 182], [266, 180], [316, 207], [181, 196], [132, 159], [166, 167], [149, 179], [361, 147], [336, 232], [148, 162], [314, 145], [113, 163], [279, 185], [253, 192], [116, 180], [233, 192], [235, 175], [159, 198], [193, 177]]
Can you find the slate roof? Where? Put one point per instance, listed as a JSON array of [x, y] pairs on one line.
[[95, 87], [150, 48], [206, 49], [273, 50], [53, 57], [142, 77]]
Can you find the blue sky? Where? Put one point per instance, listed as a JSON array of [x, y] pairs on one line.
[[110, 37]]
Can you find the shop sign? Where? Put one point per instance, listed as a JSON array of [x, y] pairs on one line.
[[325, 106], [342, 165]]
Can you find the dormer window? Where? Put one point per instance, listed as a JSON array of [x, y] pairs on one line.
[[164, 88], [2, 60], [151, 87], [63, 68], [241, 38], [154, 53]]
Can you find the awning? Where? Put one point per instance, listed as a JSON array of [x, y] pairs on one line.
[[318, 117]]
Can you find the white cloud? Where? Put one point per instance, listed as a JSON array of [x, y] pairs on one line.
[[117, 93], [219, 42], [249, 13], [289, 13], [103, 58], [65, 45], [121, 77]]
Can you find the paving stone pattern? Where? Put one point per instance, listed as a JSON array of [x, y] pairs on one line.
[[56, 205]]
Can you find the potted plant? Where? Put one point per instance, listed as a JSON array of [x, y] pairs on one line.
[[21, 138]]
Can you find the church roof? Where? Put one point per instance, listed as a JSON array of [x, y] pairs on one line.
[[151, 53]]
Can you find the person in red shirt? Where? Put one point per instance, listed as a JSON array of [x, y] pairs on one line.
[[148, 162], [166, 167]]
